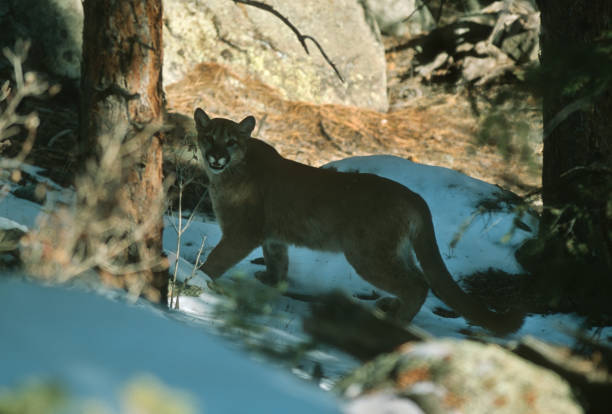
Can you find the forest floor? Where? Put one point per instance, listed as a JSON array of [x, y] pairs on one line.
[[433, 124], [488, 133], [491, 133], [439, 124]]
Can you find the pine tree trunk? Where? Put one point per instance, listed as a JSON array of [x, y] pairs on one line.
[[121, 84], [578, 150]]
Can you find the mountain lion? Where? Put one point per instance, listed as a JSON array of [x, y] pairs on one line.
[[263, 199]]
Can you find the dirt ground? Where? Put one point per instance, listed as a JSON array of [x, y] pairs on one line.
[[425, 123]]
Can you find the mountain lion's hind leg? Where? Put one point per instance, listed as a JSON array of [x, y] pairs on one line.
[[277, 263], [394, 276]]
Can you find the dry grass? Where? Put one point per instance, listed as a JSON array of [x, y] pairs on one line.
[[438, 130]]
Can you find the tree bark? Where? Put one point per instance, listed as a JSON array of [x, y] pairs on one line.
[[121, 85], [577, 119]]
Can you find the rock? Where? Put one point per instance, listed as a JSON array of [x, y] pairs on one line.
[[520, 46], [10, 234], [490, 63], [55, 29], [392, 404], [247, 39], [400, 17], [253, 41], [462, 376], [516, 31], [426, 70], [589, 375], [481, 46]]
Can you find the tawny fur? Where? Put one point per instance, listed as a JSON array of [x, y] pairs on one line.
[[263, 199]]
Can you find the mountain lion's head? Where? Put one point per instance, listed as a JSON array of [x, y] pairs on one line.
[[222, 142]]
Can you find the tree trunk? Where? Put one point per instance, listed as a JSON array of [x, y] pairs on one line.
[[578, 121], [121, 84]]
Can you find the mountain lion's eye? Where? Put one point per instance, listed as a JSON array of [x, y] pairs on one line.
[[231, 142]]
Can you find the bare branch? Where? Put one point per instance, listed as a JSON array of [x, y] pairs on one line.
[[593, 169], [579, 104], [423, 4], [301, 37]]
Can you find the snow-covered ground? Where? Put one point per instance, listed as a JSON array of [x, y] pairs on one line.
[[486, 240], [93, 347]]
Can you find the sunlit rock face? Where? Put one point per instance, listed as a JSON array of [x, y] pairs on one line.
[[253, 41]]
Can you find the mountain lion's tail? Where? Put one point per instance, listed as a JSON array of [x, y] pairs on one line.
[[443, 285]]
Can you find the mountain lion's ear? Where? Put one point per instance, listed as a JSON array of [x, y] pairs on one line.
[[247, 125], [201, 119]]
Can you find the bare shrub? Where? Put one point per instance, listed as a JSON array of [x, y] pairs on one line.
[[14, 147], [94, 229]]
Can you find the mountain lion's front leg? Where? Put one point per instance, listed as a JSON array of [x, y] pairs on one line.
[[226, 254]]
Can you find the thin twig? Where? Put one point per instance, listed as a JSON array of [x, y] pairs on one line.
[[178, 244], [180, 230], [577, 105], [301, 37], [439, 14], [197, 262], [262, 122], [328, 137], [423, 4]]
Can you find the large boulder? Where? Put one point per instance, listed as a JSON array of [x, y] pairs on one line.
[[457, 376], [247, 39], [54, 28], [253, 41]]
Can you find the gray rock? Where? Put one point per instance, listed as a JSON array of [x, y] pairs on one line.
[[253, 41], [382, 403], [463, 376], [400, 17], [482, 46], [517, 29], [520, 46], [54, 28], [10, 234], [247, 39]]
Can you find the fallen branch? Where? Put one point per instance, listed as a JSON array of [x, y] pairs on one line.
[[301, 37]]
